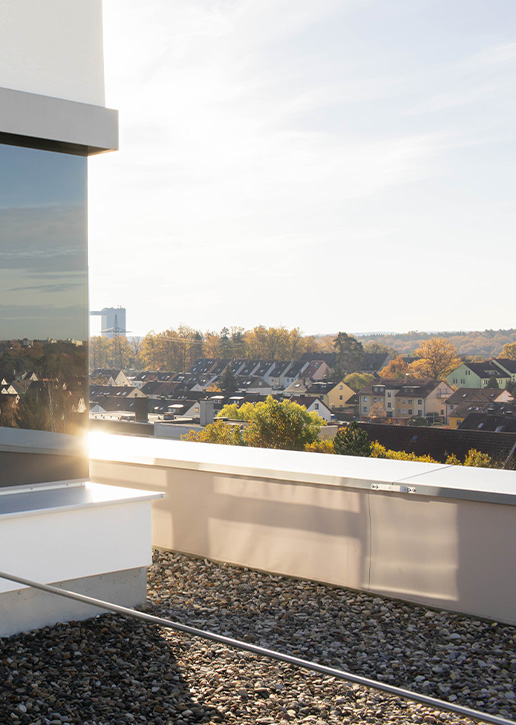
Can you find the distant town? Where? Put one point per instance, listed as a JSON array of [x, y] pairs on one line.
[[430, 397]]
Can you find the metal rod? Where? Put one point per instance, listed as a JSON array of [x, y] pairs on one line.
[[263, 652]]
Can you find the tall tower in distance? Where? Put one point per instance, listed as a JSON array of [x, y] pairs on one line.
[[112, 321]]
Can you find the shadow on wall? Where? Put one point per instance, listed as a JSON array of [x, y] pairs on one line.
[[308, 531]]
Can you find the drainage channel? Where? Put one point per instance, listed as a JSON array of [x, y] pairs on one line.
[[264, 652]]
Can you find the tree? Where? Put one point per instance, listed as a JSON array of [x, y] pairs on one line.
[[379, 451], [492, 383], [228, 382], [511, 387], [509, 351], [357, 381], [473, 458], [437, 358], [350, 354], [273, 424], [352, 441], [377, 410], [217, 432], [394, 370], [377, 348]]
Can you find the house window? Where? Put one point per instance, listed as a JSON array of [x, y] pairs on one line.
[[365, 398], [375, 400], [389, 395], [420, 412], [389, 405], [365, 408], [410, 401], [340, 397], [317, 406], [340, 387], [410, 411], [420, 401], [403, 411], [403, 400]]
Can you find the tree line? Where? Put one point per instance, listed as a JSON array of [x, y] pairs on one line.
[[176, 349]]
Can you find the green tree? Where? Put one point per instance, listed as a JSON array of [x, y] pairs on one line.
[[473, 458], [228, 382], [217, 432], [352, 441], [492, 383], [283, 425], [273, 424], [350, 354], [357, 381]]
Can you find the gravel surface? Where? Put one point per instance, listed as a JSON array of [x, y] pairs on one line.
[[114, 670]]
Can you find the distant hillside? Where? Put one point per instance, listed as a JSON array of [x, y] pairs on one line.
[[488, 343]]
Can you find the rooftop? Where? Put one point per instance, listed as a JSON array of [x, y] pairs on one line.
[[113, 670]]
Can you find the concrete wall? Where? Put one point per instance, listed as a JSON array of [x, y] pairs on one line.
[[53, 48], [377, 528]]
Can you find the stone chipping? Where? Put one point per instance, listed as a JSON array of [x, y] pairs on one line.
[[114, 670]]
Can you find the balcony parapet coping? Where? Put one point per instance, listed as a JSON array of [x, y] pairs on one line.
[[378, 475]]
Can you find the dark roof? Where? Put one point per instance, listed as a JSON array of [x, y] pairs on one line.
[[485, 421], [422, 390], [264, 367], [391, 384], [487, 369], [330, 358], [281, 367], [249, 367], [374, 361], [202, 366], [473, 395], [294, 371], [306, 400], [313, 367], [506, 363], [251, 381], [441, 442], [150, 387]]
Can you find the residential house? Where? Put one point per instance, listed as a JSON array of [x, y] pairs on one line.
[[423, 400], [507, 365], [313, 405], [277, 376], [316, 370], [253, 384], [373, 362], [478, 375], [404, 398], [472, 400], [340, 395]]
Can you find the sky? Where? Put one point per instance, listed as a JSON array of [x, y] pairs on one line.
[[323, 164]]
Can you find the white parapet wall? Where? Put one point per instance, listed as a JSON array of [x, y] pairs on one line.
[[442, 536]]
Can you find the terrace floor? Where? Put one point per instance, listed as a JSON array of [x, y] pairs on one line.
[[114, 670]]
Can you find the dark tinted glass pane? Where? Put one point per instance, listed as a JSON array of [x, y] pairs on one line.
[[43, 316]]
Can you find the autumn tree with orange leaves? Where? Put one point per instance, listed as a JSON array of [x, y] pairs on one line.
[[436, 359]]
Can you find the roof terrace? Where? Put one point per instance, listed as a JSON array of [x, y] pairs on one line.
[[112, 670]]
